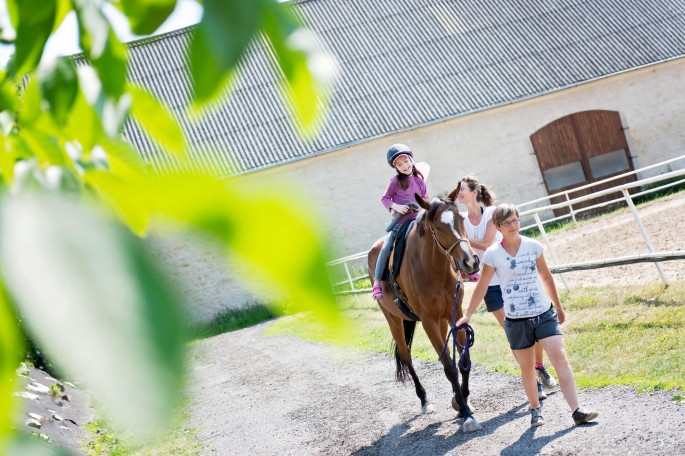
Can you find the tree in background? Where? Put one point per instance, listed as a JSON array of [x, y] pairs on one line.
[[75, 195]]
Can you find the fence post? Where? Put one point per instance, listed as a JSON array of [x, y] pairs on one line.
[[549, 247], [349, 276], [570, 208], [643, 231]]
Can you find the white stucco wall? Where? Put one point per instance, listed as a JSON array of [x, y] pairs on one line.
[[208, 281], [342, 189], [493, 145]]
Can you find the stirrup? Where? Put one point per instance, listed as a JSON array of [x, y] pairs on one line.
[[377, 292]]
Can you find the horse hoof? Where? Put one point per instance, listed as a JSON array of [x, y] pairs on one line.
[[471, 425], [428, 408]]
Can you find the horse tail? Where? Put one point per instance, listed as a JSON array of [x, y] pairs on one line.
[[402, 373]]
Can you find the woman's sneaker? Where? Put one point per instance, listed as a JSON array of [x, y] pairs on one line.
[[536, 418], [545, 378], [581, 416], [541, 393]]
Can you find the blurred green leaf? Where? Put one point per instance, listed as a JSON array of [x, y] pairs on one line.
[[35, 21], [102, 47], [84, 122], [8, 94], [30, 108], [62, 9], [157, 121], [97, 305], [13, 10], [7, 159], [123, 198], [30, 446], [258, 222], [310, 71], [11, 351], [145, 16], [43, 146], [124, 160], [58, 85], [226, 28]]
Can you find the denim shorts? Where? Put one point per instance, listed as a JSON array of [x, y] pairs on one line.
[[524, 332], [493, 298]]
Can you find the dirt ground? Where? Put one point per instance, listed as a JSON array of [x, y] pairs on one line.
[[619, 236], [257, 394]]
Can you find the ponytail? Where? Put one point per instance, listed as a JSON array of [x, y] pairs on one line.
[[484, 195]]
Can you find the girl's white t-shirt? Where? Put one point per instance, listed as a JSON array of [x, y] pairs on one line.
[[478, 232], [522, 290]]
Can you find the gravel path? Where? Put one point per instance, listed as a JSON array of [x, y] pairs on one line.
[[274, 395], [267, 395]]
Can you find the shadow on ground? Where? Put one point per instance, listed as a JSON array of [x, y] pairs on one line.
[[401, 440]]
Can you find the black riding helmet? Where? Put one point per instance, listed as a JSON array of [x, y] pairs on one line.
[[396, 150]]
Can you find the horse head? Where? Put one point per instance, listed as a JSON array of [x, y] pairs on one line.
[[445, 223]]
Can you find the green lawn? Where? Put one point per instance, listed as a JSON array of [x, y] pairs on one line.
[[614, 335]]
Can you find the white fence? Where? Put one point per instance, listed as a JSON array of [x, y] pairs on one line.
[[354, 266]]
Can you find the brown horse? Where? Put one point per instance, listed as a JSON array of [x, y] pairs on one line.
[[436, 249]]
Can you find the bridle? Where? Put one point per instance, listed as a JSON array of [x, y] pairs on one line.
[[450, 258]]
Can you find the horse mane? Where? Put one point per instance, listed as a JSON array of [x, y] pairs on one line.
[[430, 213]]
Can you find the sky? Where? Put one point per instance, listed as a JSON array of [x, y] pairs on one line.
[[65, 39]]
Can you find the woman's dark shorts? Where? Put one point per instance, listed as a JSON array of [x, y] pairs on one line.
[[523, 333], [493, 298]]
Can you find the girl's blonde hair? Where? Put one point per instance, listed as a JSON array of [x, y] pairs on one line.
[[503, 212]]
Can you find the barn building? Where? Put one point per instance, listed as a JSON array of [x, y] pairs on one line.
[[531, 96]]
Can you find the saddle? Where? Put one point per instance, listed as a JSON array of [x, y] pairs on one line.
[[393, 269]]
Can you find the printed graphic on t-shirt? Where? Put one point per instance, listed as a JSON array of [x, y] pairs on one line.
[[522, 293]]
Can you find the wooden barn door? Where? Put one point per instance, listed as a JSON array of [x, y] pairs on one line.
[[581, 148]]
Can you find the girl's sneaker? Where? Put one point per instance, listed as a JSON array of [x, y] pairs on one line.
[[377, 292], [545, 377], [541, 392], [536, 418], [581, 416]]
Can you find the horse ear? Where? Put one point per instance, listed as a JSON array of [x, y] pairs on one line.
[[424, 203], [453, 196]]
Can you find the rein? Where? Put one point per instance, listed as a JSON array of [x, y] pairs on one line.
[[464, 358]]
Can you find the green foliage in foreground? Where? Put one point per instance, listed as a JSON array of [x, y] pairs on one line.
[[74, 194], [614, 335], [180, 440]]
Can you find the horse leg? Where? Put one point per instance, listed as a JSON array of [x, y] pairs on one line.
[[433, 331], [403, 334], [461, 338]]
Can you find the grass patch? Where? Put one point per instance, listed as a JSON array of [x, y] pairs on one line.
[[631, 335], [233, 319], [179, 440]]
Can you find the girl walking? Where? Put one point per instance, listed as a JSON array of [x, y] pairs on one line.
[[479, 201], [532, 308]]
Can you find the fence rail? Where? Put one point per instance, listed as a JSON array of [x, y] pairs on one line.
[[355, 271]]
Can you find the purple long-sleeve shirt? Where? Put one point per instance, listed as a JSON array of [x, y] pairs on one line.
[[398, 195]]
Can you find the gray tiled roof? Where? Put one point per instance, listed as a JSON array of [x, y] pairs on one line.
[[407, 63]]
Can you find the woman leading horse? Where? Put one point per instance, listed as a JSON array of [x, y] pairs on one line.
[[436, 251]]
